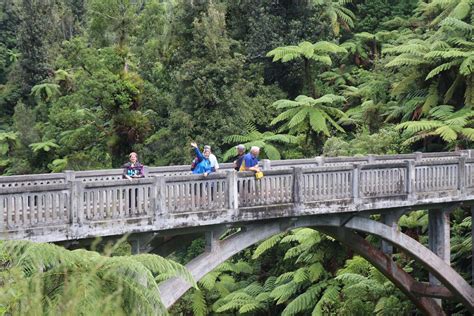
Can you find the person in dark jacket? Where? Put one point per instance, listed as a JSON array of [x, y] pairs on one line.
[[133, 168], [204, 164], [240, 156]]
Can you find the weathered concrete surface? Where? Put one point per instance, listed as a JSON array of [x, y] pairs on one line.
[[225, 249], [173, 289]]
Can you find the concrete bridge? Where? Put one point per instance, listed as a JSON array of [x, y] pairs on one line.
[[333, 195]]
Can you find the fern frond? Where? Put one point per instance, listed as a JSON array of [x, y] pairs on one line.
[[304, 301], [271, 152], [441, 68], [199, 303], [329, 296], [405, 60], [467, 66], [267, 245], [417, 126], [468, 133], [328, 47], [449, 54], [283, 292]]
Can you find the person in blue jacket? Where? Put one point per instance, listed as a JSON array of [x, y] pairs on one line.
[[204, 165]]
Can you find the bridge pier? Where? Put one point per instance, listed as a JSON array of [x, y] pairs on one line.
[[391, 219], [439, 237]]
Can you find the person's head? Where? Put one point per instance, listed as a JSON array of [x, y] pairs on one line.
[[133, 157], [207, 152], [255, 151], [207, 147], [240, 149]]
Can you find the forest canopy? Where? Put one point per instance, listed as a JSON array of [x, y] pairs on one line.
[[83, 83]]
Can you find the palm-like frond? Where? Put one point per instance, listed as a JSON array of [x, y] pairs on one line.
[[314, 113], [267, 245], [446, 124], [86, 281], [304, 301], [318, 52]]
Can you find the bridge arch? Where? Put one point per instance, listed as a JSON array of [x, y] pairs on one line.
[[343, 231]]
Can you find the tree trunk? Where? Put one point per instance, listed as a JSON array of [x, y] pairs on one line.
[[309, 78]]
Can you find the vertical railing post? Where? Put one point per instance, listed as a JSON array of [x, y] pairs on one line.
[[356, 183], [320, 161], [69, 175], [266, 164], [160, 201], [462, 175], [154, 198], [76, 209], [411, 175], [298, 188], [146, 171], [232, 194], [418, 155], [469, 153], [370, 158]]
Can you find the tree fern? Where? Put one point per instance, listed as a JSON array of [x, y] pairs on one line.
[[304, 301], [83, 280], [448, 125], [329, 297], [319, 52], [311, 114], [264, 140], [282, 293], [267, 245]]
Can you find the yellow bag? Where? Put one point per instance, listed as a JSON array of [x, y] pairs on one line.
[[258, 175]]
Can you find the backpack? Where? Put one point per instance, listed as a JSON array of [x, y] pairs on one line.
[[194, 163]]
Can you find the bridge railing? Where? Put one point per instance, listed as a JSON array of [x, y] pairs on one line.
[[35, 206], [181, 170], [145, 201]]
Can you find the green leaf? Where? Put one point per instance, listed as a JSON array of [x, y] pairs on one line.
[[267, 245]]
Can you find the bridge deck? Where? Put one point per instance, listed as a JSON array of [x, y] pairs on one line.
[[75, 205]]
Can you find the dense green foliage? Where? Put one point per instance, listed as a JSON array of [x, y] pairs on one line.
[[44, 279], [84, 82]]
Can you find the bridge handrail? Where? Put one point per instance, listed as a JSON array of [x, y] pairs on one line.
[[116, 174]]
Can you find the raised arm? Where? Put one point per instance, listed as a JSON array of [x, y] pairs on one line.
[[197, 151]]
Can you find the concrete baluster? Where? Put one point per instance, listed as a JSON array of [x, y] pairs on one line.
[[76, 210], [462, 175], [320, 161], [233, 194], [411, 179], [69, 175], [298, 189], [160, 201], [266, 164], [146, 171], [356, 183]]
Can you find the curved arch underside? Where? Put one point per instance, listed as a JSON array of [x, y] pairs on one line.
[[341, 230]]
